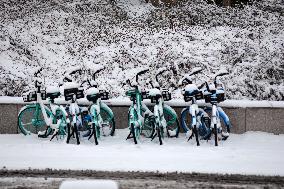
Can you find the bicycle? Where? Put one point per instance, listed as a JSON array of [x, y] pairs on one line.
[[140, 118], [200, 121], [163, 111], [72, 92], [214, 94], [37, 118], [100, 116]]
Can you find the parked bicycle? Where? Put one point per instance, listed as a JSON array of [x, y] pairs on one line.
[[165, 118], [100, 119], [140, 118], [36, 118], [72, 92], [200, 121], [214, 94]]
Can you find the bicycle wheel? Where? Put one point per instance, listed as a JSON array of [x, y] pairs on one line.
[[148, 129], [172, 122], [31, 121], [108, 126]]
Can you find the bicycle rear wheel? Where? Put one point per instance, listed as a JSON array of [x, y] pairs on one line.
[[31, 121], [148, 129], [172, 122]]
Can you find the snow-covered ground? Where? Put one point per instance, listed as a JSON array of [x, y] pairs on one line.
[[250, 153]]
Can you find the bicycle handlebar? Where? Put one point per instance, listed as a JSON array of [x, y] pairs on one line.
[[186, 77], [160, 72], [141, 73]]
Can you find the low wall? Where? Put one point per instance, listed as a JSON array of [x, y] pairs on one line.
[[267, 119]]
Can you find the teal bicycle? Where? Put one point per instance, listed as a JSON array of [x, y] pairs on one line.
[[140, 118], [165, 117], [36, 118], [100, 119]]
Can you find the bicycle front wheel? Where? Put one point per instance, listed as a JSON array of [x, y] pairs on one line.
[[108, 126], [31, 121]]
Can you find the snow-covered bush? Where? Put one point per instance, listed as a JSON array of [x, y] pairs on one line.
[[124, 35]]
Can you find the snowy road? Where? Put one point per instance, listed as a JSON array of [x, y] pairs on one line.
[[254, 153]]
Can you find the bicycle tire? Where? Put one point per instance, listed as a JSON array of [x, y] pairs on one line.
[[36, 122]]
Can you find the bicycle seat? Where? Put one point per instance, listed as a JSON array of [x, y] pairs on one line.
[[52, 92], [93, 94]]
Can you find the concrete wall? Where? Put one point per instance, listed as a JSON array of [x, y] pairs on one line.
[[243, 119]]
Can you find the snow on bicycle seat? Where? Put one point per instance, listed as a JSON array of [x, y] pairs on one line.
[[70, 86], [92, 94], [52, 92], [155, 92]]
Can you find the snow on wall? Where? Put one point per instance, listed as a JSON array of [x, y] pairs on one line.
[[123, 101], [122, 36]]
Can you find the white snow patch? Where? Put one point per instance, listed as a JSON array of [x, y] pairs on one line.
[[249, 153], [135, 8], [89, 184]]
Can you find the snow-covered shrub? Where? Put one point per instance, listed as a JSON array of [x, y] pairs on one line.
[[125, 35]]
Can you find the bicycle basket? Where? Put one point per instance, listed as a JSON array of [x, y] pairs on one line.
[[80, 93], [155, 99], [207, 97], [199, 95], [104, 95], [187, 98], [166, 95], [29, 97], [68, 93], [220, 95], [145, 94]]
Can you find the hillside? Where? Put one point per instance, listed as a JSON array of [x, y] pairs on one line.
[[124, 35]]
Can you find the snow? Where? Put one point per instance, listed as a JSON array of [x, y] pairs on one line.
[[70, 85], [52, 89], [154, 92], [254, 153], [191, 88], [127, 34], [89, 184], [92, 91]]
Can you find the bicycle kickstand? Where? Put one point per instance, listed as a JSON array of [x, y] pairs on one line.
[[190, 137]]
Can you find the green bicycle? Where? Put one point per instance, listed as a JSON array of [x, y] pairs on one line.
[[140, 118], [36, 118]]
